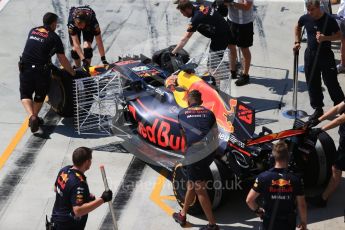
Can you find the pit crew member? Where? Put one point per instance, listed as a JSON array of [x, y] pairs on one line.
[[198, 127], [280, 190], [35, 67], [82, 20], [73, 198], [207, 21], [339, 164]]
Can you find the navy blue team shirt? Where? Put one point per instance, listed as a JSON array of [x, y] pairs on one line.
[[279, 185], [207, 21], [92, 24], [326, 25], [197, 122], [71, 190], [41, 45]]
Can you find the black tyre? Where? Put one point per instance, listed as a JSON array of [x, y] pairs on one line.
[[169, 63], [61, 92], [214, 185], [318, 167], [61, 95]]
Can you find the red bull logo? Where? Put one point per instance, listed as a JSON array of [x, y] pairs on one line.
[[281, 182], [281, 186], [159, 133], [40, 32]]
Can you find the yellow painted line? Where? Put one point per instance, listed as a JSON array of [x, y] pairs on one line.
[[159, 200], [173, 198], [156, 197], [15, 140]]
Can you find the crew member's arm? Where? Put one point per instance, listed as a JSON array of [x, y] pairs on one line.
[[60, 53], [334, 37], [65, 63], [302, 210], [333, 27], [99, 40], [301, 204], [77, 47], [183, 42], [334, 123], [82, 204], [253, 195], [84, 209], [252, 204], [100, 45], [298, 35], [246, 5], [338, 109]]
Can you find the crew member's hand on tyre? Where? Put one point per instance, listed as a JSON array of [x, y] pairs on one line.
[[315, 132], [107, 196], [172, 54], [311, 123], [104, 60], [56, 71]]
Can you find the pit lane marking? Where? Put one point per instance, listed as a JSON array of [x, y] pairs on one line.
[[15, 140], [2, 5], [158, 199]]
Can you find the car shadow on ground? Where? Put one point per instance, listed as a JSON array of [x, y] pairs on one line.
[[261, 104], [114, 147], [279, 86], [68, 129]]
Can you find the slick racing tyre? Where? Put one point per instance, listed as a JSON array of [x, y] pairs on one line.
[[61, 94], [61, 90], [170, 63], [318, 167], [214, 185]]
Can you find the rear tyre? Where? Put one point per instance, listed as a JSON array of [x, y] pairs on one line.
[[318, 167], [61, 95], [214, 185]]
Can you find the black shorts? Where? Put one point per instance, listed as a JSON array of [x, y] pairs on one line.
[[34, 81], [87, 36], [217, 44], [241, 35], [340, 159], [199, 171]]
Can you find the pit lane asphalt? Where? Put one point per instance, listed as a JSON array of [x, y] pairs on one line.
[[143, 198]]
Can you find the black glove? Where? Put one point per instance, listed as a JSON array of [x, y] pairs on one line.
[[315, 132], [311, 123], [86, 65], [107, 196], [104, 60]]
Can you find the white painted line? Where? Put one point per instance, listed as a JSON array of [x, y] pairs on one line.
[[3, 3]]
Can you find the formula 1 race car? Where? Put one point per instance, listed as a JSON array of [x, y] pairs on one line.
[[145, 109]]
